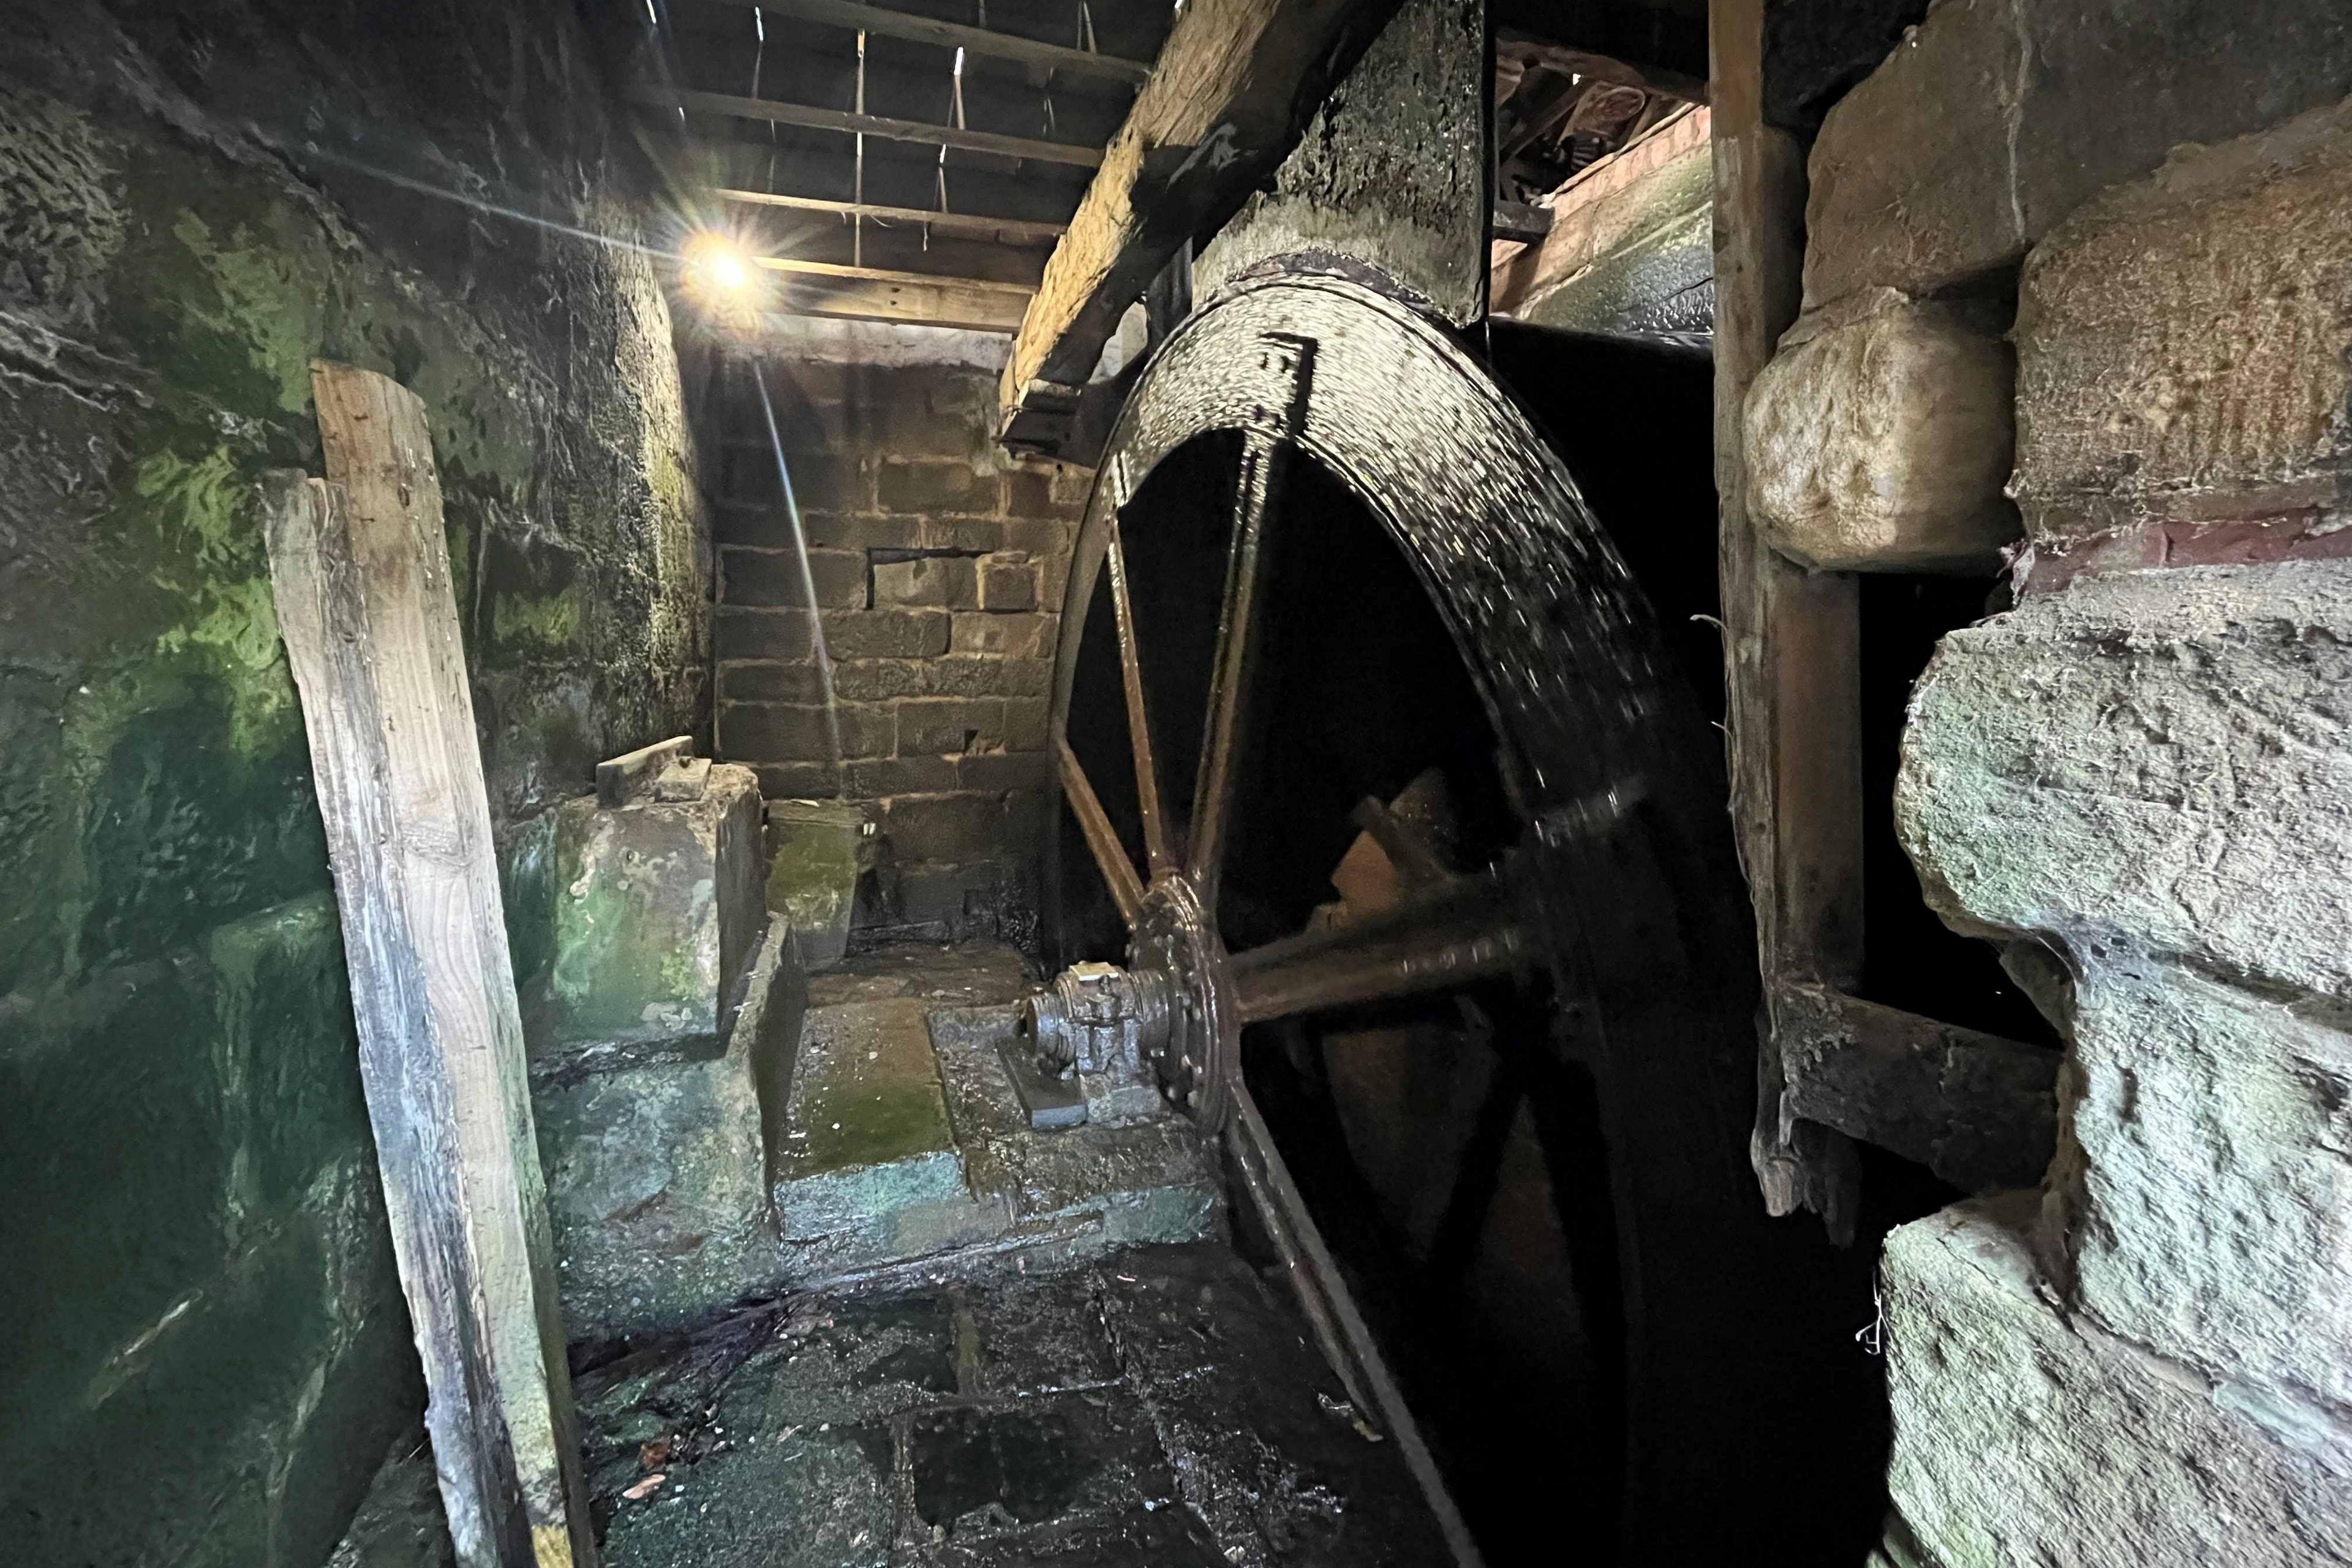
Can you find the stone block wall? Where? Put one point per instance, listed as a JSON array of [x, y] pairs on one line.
[[210, 1354], [1989, 126], [938, 566], [2144, 768]]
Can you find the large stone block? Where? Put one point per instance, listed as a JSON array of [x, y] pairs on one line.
[[2158, 760], [657, 904], [1996, 118], [1879, 439], [2210, 1216], [817, 851], [2024, 1437], [2185, 342]]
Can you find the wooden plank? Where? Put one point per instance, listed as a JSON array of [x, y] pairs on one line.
[[901, 297], [1979, 1111], [1518, 221], [954, 35], [1236, 81], [810, 117], [796, 266], [953, 222], [362, 577], [1791, 642]]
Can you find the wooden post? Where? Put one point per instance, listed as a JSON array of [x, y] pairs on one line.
[[360, 568], [1792, 648]]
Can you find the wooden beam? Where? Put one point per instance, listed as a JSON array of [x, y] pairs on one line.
[[875, 294], [1979, 1111], [1236, 82], [1791, 638], [1518, 221], [809, 117], [953, 222], [361, 571], [955, 36]]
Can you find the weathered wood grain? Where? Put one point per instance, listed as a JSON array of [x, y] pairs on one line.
[[360, 572], [1235, 83], [1791, 638], [1978, 1109]]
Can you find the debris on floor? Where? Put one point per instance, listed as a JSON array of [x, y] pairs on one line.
[[1161, 1406]]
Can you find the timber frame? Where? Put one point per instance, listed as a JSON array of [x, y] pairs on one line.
[[1976, 1108]]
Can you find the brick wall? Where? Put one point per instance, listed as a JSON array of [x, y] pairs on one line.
[[938, 563]]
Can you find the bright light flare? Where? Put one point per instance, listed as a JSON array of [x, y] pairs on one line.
[[718, 276]]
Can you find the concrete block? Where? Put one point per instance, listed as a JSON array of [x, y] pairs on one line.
[[658, 905], [2185, 342], [816, 850], [2024, 1437], [1994, 119], [2210, 1214], [656, 1181], [943, 582], [2158, 760], [1879, 439]]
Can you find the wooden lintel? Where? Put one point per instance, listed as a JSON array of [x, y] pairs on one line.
[[1011, 229], [809, 117], [1979, 1111], [1236, 84], [954, 35], [362, 578]]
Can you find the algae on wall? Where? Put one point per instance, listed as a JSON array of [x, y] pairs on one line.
[[207, 1352]]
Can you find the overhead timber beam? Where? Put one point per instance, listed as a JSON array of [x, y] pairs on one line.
[[1236, 82], [1010, 228], [876, 294], [778, 112], [953, 34]]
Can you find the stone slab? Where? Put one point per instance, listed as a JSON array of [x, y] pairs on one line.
[[658, 905], [1879, 439], [2161, 760], [867, 1147], [655, 1174], [1994, 119], [2210, 1216], [817, 851], [2185, 342], [2023, 1437]]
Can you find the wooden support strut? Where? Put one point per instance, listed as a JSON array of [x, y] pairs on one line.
[[1792, 644], [361, 571], [1236, 84]]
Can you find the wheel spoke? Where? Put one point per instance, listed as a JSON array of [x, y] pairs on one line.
[[1110, 855], [1463, 932], [1264, 457], [1139, 724]]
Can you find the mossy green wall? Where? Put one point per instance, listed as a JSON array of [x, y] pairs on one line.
[[206, 1352]]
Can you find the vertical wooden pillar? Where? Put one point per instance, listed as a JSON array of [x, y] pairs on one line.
[[1792, 638], [360, 569]]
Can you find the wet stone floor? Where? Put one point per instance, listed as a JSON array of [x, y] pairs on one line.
[[1161, 1407]]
